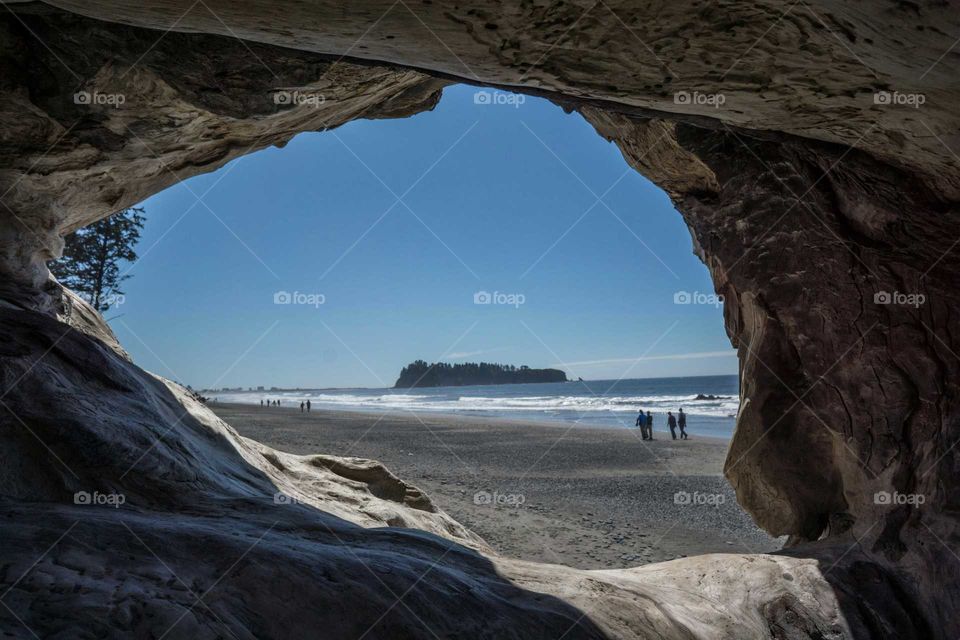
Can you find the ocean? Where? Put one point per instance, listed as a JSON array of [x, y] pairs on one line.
[[590, 403]]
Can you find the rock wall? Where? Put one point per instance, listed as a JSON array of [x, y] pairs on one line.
[[822, 216], [839, 284]]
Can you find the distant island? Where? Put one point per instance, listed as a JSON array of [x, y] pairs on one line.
[[441, 374]]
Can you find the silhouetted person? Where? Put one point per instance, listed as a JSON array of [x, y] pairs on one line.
[[649, 426], [261, 402], [308, 406], [672, 423], [642, 423], [301, 406], [682, 423]]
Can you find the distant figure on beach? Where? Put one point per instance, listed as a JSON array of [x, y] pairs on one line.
[[672, 423], [649, 426], [308, 406], [642, 423], [301, 406], [682, 423], [261, 402]]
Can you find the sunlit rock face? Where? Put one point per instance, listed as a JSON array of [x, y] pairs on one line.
[[820, 193]]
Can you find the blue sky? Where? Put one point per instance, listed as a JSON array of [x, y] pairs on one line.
[[496, 198]]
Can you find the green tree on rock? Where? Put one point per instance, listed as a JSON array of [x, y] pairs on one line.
[[92, 255]]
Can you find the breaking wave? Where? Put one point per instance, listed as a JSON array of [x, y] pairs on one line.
[[723, 406]]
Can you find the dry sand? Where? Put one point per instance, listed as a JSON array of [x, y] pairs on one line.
[[584, 497]]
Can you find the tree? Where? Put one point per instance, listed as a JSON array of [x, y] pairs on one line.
[[91, 258], [442, 374]]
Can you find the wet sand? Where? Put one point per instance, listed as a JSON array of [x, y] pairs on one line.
[[584, 497]]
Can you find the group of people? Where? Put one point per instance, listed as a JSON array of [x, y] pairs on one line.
[[645, 422], [304, 406]]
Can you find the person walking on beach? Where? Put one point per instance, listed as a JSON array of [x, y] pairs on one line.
[[649, 426], [642, 423], [682, 423], [672, 423], [261, 402], [301, 406], [308, 406]]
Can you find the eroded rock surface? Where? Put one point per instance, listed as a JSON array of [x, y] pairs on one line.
[[807, 201], [848, 396], [802, 68]]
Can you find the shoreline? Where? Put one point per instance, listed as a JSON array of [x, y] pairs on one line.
[[593, 498], [502, 421]]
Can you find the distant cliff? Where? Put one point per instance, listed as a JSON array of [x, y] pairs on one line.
[[441, 374]]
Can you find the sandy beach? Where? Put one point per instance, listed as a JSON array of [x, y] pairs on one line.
[[588, 498]]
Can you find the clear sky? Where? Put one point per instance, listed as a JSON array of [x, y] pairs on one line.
[[396, 226]]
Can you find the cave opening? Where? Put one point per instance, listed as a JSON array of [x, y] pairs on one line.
[[346, 254], [822, 198]]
